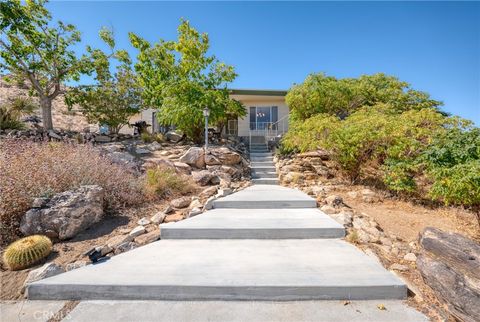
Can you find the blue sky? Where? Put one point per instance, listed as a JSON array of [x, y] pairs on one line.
[[435, 46]]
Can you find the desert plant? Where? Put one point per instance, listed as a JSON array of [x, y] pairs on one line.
[[162, 181], [29, 170], [11, 112], [27, 251], [147, 137]]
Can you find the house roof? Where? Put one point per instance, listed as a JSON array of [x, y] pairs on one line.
[[261, 92]]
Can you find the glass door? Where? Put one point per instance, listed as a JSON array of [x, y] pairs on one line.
[[263, 117]]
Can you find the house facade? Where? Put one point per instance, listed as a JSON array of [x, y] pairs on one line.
[[267, 115]]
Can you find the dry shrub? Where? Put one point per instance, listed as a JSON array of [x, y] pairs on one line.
[[164, 181], [29, 170]]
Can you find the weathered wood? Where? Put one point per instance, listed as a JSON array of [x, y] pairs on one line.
[[459, 291], [457, 251]]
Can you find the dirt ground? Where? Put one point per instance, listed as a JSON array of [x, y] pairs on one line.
[[406, 219], [73, 250]]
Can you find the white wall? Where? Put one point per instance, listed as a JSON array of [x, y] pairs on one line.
[[243, 123], [259, 101]]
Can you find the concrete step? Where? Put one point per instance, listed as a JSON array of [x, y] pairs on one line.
[[249, 269], [261, 159], [262, 164], [266, 196], [239, 311], [266, 181], [260, 151], [260, 154], [309, 223], [263, 168], [263, 174]]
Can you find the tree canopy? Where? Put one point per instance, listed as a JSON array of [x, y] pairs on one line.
[[320, 93], [115, 96], [180, 79], [38, 51]]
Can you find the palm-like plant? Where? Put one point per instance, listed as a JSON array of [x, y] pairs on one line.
[[11, 112]]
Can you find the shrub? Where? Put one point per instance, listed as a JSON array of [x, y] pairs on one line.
[[27, 251], [326, 94], [29, 170], [452, 162], [163, 181], [11, 112], [309, 135], [146, 137]]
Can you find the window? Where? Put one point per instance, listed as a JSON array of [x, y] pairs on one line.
[[263, 117]]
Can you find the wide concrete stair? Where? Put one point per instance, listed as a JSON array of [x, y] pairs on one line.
[[262, 166], [225, 223], [281, 249]]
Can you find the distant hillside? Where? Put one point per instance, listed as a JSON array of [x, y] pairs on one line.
[[62, 118]]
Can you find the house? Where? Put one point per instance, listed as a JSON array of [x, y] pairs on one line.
[[267, 115]]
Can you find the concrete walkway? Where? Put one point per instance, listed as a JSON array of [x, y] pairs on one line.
[[265, 243]]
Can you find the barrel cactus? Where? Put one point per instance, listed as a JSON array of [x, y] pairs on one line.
[[27, 251]]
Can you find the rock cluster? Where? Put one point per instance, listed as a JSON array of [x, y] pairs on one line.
[[65, 214], [36, 134], [311, 166]]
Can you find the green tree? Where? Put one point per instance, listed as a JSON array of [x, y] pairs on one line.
[[34, 49], [179, 79], [116, 96], [326, 94]]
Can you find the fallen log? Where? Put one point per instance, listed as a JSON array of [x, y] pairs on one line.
[[450, 265], [456, 250], [460, 292]]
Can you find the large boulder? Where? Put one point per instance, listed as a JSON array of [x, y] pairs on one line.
[[174, 136], [65, 214], [205, 177], [222, 156], [195, 157]]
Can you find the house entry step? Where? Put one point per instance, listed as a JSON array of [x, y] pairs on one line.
[[260, 154], [263, 168], [263, 174], [266, 196], [266, 181], [250, 269], [309, 223], [262, 163], [261, 158]]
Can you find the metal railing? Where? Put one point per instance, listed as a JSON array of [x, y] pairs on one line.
[[268, 129]]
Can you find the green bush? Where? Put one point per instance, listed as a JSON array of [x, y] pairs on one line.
[[163, 181], [146, 137], [326, 94], [452, 162], [11, 112], [309, 135], [377, 126]]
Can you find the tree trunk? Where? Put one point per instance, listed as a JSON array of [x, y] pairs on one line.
[[450, 265], [46, 105]]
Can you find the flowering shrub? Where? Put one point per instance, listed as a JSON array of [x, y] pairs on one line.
[[29, 170]]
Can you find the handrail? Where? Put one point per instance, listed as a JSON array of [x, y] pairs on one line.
[[268, 129]]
